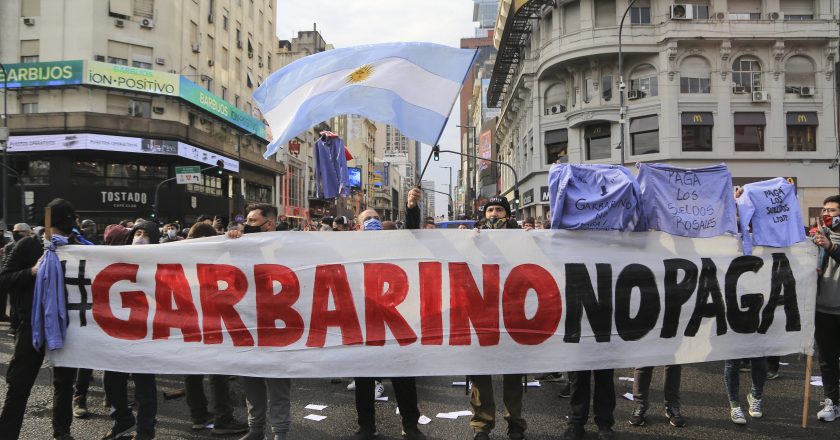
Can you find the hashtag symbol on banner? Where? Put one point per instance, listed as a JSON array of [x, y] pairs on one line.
[[80, 281]]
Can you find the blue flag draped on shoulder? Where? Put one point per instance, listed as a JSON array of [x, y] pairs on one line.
[[411, 86]]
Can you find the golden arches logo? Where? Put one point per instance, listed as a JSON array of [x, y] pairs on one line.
[[698, 118], [801, 118]]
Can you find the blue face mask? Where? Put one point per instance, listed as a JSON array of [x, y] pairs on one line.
[[372, 224], [835, 221]]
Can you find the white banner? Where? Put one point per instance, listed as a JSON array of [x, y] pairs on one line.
[[423, 303]]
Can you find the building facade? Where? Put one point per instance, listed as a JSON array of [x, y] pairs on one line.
[[746, 82], [111, 96]]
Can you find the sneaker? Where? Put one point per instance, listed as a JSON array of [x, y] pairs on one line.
[[144, 436], [574, 432], [280, 436], [481, 435], [737, 415], [228, 428], [744, 367], [565, 392], [202, 423], [120, 430], [772, 375], [829, 411], [638, 416], [364, 434], [253, 435], [755, 406], [413, 434], [351, 386], [674, 416], [80, 410], [515, 432], [606, 434], [380, 389], [549, 377]]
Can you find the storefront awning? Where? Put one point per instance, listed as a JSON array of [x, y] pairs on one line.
[[750, 118], [556, 136], [645, 123], [697, 118], [802, 118]]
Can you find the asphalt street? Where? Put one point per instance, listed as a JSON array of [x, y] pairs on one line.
[[704, 403]]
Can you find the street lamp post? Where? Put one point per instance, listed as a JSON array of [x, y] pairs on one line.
[[6, 136], [449, 183], [512, 169], [474, 176], [622, 111]]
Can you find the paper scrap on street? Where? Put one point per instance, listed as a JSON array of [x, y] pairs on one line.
[[423, 420], [450, 416], [315, 407], [627, 379], [816, 381], [534, 383], [315, 417], [382, 399], [783, 363], [628, 396]]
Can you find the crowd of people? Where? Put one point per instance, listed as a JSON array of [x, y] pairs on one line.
[[268, 399]]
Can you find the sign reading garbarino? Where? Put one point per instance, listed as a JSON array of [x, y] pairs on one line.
[[132, 78]]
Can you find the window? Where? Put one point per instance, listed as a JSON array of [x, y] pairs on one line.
[[556, 98], [695, 75], [225, 58], [604, 13], [30, 8], [749, 131], [30, 51], [211, 185], [640, 12], [28, 104], [699, 11], [30, 59], [139, 109], [258, 193], [802, 131], [697, 131], [556, 146], [37, 173], [155, 173], [606, 87], [225, 19], [799, 73], [224, 92], [797, 9], [588, 88], [144, 8], [644, 81], [116, 8], [141, 64], [238, 36], [236, 100], [120, 61], [237, 67], [598, 142], [90, 172], [121, 174], [644, 134], [799, 16], [571, 17], [746, 75]]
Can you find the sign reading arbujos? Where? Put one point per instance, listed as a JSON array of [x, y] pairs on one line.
[[409, 303], [132, 78], [51, 73], [199, 96]]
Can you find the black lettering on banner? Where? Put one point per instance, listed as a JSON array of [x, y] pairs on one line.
[[632, 276], [781, 278], [677, 293], [80, 281], [708, 288], [580, 296], [742, 321]]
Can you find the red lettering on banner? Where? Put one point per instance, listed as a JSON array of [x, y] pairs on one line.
[[217, 305], [381, 307], [431, 317], [542, 326], [467, 306], [134, 327], [333, 278], [272, 307], [171, 284]]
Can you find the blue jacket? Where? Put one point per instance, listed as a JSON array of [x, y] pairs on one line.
[[771, 208], [331, 179]]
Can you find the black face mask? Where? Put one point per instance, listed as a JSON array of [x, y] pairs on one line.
[[248, 229], [18, 235]]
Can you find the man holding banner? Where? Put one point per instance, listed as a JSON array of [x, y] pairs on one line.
[[827, 317]]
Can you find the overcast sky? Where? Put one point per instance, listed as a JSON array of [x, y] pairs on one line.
[[345, 23]]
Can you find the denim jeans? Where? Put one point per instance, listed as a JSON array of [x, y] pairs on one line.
[[145, 393], [732, 379]]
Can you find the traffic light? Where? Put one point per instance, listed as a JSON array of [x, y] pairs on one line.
[[436, 152], [30, 214], [220, 167], [153, 215]]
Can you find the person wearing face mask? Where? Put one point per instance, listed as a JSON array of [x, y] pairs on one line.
[[405, 388], [115, 383], [20, 231], [827, 317], [170, 233], [340, 223], [497, 216], [267, 398]]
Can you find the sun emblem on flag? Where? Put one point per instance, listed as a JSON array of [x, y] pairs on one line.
[[360, 74]]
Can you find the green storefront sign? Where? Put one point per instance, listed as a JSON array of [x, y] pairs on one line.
[[199, 96], [50, 73]]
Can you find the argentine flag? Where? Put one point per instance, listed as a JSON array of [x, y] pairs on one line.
[[410, 86]]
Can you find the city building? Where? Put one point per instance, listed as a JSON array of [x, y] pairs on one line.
[[109, 97], [746, 82], [427, 205]]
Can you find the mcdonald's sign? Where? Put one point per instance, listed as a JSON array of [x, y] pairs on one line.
[[697, 118], [802, 118]]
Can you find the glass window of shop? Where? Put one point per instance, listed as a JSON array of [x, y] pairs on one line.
[[257, 193], [802, 131], [211, 185], [598, 141], [556, 146], [749, 131], [697, 131], [88, 172], [644, 134], [32, 172]]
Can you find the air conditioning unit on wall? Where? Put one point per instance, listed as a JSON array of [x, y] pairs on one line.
[[555, 109], [147, 23], [682, 12], [760, 96], [635, 94], [806, 91]]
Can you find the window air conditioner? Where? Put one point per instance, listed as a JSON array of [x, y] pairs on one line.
[[160, 61], [29, 21], [682, 12], [760, 96], [555, 109], [173, 71], [196, 47], [738, 90], [158, 110], [210, 63], [635, 94], [99, 58], [119, 23], [147, 23], [806, 91], [773, 16]]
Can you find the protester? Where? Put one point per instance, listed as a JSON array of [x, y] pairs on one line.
[[732, 379], [528, 224], [405, 388], [497, 216], [145, 384], [462, 226], [126, 223], [169, 233], [265, 396], [326, 224], [19, 232], [641, 385], [388, 225], [429, 225], [89, 231], [827, 317], [340, 223], [18, 277], [222, 415]]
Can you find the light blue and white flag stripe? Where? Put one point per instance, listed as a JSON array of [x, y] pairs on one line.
[[411, 86]]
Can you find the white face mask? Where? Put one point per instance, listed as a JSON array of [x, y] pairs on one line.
[[171, 233], [140, 240]]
